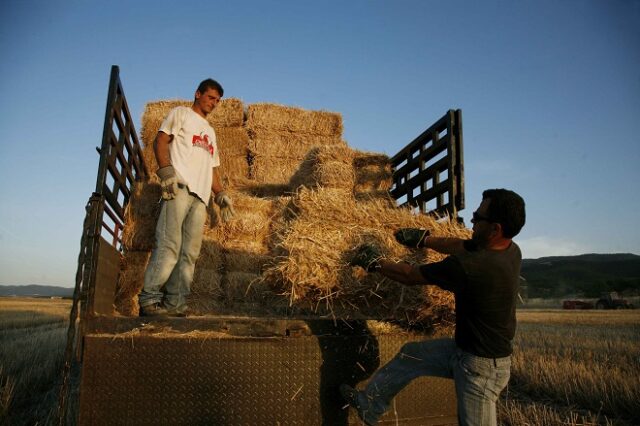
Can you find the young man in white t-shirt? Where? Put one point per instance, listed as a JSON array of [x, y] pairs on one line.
[[188, 161]]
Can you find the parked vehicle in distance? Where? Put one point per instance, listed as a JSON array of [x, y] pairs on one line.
[[577, 304], [612, 300]]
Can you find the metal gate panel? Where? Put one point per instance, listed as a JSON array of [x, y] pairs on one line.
[[185, 380], [431, 168]]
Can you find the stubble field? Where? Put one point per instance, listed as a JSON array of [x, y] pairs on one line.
[[569, 367]]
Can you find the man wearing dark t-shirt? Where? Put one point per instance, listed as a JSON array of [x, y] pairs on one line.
[[483, 273]]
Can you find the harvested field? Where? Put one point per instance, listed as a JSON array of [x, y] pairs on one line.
[[574, 368]]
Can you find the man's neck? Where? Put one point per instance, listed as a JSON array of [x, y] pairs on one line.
[[198, 111], [499, 244]]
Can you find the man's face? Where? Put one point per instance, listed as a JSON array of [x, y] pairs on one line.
[[207, 101], [482, 227]]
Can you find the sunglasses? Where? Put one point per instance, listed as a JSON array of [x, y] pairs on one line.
[[477, 217]]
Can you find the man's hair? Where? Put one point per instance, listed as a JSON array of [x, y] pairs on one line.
[[210, 84], [506, 208]]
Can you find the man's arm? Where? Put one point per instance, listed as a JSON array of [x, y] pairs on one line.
[[161, 149], [216, 184], [444, 245], [402, 272], [221, 198], [447, 274], [420, 238]]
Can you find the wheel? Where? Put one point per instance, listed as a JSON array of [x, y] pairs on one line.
[[600, 305]]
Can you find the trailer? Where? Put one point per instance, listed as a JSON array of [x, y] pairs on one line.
[[233, 369]]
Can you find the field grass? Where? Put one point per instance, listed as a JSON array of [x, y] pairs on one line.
[[569, 367], [32, 340], [574, 367]]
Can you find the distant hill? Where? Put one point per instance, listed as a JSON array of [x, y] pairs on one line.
[[35, 290], [587, 275]]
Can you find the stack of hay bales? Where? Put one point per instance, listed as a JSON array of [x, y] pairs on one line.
[[288, 251], [330, 215], [232, 257], [280, 138], [141, 216]]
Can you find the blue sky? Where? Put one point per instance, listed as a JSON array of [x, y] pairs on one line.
[[549, 91]]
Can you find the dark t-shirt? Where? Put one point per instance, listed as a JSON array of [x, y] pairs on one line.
[[485, 285]]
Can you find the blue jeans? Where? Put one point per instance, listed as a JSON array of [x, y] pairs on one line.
[[478, 380], [178, 240]]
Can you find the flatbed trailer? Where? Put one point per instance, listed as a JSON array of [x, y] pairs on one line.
[[236, 370]]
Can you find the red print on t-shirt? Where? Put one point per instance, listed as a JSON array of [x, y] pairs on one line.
[[202, 142]]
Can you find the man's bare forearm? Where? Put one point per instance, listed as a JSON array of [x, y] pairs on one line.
[[161, 149], [401, 272], [444, 245], [216, 183]]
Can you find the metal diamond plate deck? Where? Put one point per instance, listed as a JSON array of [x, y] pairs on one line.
[[185, 380]]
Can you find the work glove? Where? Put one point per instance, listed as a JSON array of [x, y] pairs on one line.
[[226, 206], [411, 237], [168, 181], [367, 256]]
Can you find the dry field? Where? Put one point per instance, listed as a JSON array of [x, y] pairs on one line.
[[574, 368], [569, 367], [32, 340]]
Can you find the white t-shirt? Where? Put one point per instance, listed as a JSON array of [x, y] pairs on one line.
[[193, 150]]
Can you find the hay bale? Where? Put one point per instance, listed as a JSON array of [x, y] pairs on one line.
[[327, 166], [211, 252], [204, 305], [273, 170], [251, 222], [265, 116], [374, 174], [295, 146], [261, 190], [228, 113], [232, 141], [207, 283], [318, 244], [131, 282], [251, 257], [233, 169], [238, 287], [141, 216]]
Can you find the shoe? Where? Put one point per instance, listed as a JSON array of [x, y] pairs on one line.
[[350, 395], [153, 310]]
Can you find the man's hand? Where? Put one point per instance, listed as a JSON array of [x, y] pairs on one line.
[[226, 206], [367, 256], [168, 181], [411, 237]]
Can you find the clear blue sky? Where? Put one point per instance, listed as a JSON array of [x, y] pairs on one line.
[[550, 94]]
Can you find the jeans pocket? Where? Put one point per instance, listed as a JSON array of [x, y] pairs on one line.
[[473, 366]]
